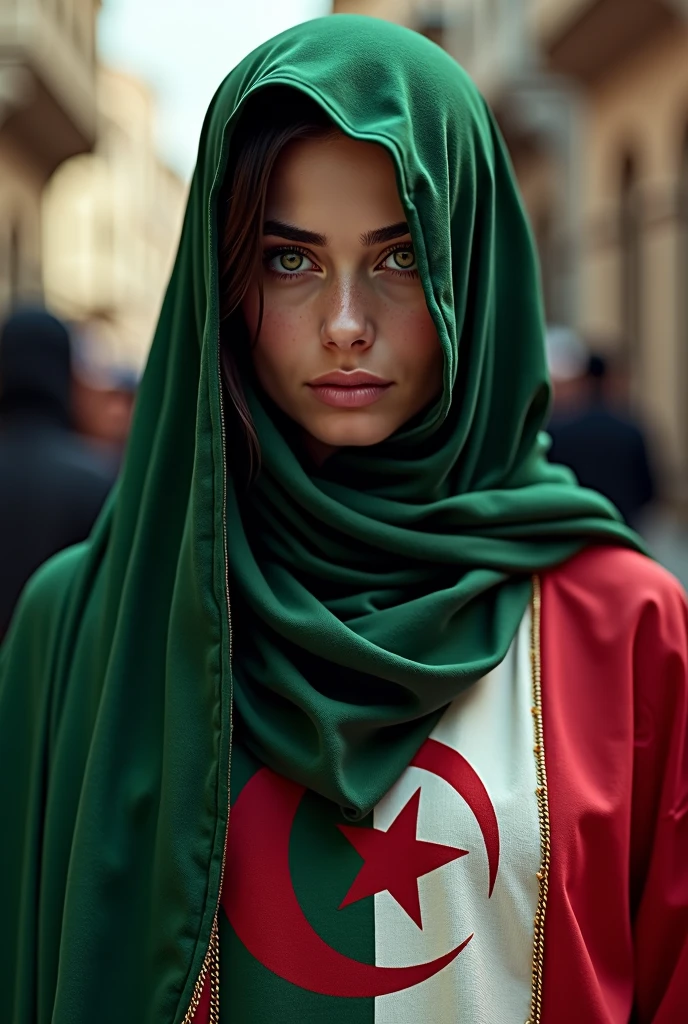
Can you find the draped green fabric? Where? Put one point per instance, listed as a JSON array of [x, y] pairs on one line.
[[365, 595]]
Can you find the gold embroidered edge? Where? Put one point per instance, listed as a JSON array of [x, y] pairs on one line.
[[209, 971], [543, 806]]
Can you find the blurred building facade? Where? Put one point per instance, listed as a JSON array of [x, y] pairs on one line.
[[47, 115], [592, 97], [111, 224]]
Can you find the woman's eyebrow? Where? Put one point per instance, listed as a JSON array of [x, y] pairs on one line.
[[292, 233], [382, 235]]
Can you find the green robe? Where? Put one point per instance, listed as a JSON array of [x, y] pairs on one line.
[[116, 684]]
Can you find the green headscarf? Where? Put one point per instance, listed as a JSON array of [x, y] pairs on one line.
[[368, 594], [381, 586]]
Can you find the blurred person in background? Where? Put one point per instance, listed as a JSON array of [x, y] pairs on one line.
[[103, 408], [595, 437], [52, 482]]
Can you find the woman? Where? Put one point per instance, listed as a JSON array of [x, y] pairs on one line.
[[315, 596]]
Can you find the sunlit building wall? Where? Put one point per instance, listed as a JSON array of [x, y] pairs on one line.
[[47, 115], [111, 225], [633, 72]]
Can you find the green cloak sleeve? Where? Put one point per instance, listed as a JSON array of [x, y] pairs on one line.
[[30, 710]]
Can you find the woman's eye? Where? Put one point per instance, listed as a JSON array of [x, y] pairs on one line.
[[400, 259], [290, 263]]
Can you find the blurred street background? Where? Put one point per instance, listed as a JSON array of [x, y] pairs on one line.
[[101, 106]]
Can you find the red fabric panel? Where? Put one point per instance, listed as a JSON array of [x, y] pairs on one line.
[[615, 709]]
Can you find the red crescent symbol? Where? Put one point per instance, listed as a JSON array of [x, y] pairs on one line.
[[451, 766], [261, 904]]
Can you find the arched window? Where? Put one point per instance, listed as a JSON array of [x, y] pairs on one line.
[[630, 240]]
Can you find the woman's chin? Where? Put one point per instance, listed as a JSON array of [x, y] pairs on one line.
[[353, 435]]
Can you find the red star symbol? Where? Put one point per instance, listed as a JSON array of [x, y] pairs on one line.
[[394, 860]]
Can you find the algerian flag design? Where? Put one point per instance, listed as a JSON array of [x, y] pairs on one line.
[[423, 915]]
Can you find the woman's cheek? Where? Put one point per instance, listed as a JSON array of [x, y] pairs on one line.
[[281, 331], [413, 331], [280, 351]]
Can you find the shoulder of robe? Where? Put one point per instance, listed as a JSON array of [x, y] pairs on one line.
[[34, 630], [619, 596]]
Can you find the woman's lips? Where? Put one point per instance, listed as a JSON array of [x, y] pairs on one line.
[[349, 397]]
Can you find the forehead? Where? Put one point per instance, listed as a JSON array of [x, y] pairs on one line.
[[334, 185]]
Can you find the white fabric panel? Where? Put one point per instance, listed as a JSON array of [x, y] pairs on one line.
[[490, 982]]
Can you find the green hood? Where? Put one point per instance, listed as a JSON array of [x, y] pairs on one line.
[[116, 692]]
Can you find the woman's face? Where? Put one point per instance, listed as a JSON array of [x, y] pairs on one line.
[[342, 297]]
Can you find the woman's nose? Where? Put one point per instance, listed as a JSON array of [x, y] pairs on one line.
[[347, 322]]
